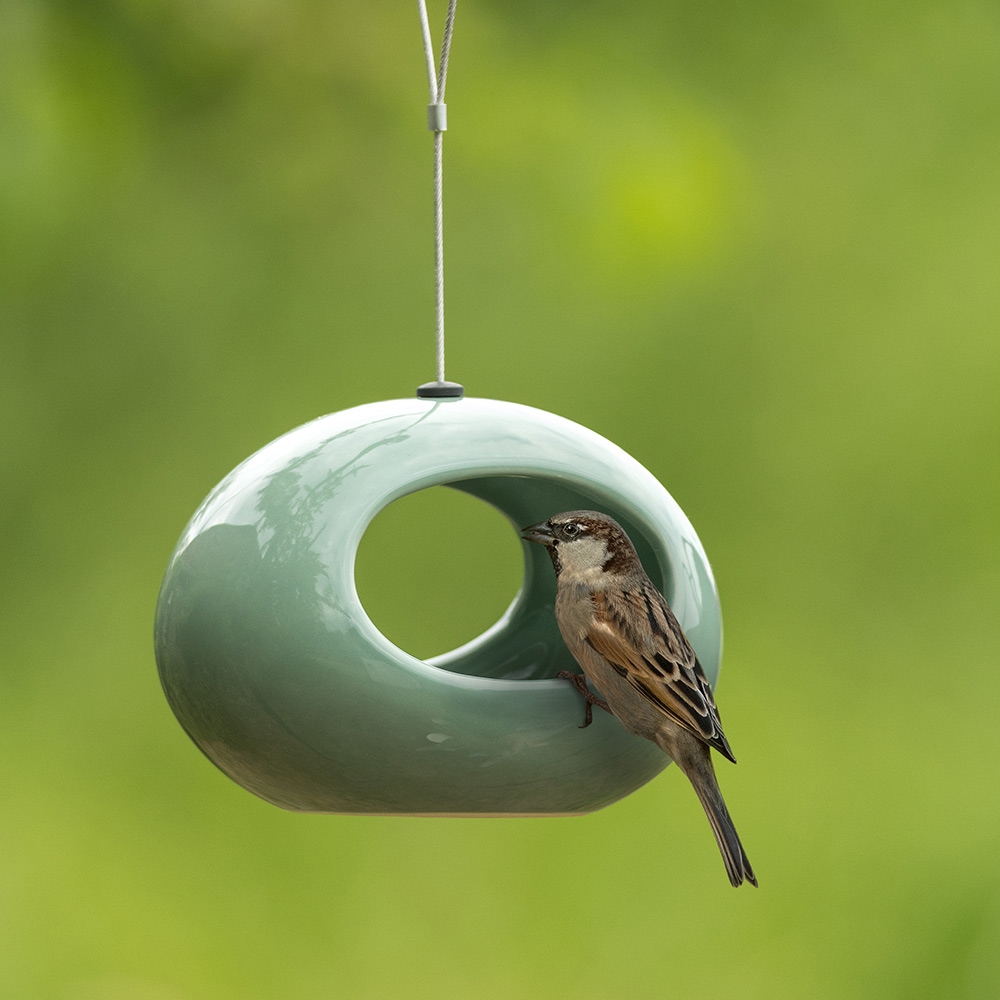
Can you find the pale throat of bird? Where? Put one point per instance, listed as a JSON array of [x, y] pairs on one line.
[[582, 560]]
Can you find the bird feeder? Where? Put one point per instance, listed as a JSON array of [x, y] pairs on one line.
[[277, 673]]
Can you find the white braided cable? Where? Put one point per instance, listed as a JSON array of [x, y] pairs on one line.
[[428, 50], [439, 252], [437, 121]]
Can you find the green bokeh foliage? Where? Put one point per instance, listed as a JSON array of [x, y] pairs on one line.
[[757, 246]]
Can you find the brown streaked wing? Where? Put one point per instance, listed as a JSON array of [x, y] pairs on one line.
[[657, 661]]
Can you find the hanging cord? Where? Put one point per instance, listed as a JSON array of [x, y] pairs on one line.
[[437, 122]]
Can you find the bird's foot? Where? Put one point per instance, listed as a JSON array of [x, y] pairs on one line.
[[580, 683]]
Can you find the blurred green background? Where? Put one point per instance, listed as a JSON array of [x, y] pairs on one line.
[[757, 246]]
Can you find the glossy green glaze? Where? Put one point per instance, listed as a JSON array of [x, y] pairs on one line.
[[277, 673]]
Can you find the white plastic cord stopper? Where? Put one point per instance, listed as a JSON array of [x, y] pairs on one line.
[[437, 117]]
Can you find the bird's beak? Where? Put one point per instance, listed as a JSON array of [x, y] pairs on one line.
[[541, 533]]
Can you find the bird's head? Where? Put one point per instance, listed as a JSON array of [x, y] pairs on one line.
[[585, 545]]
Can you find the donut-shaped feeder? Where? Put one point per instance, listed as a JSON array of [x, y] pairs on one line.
[[275, 670]]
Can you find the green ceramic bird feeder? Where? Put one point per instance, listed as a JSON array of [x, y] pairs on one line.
[[277, 673]]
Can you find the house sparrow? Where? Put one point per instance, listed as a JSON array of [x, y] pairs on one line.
[[632, 649]]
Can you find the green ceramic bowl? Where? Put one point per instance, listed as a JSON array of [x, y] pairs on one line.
[[275, 670]]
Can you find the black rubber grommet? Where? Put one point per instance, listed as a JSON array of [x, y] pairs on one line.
[[440, 390]]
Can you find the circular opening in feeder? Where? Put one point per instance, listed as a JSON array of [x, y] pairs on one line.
[[437, 568], [521, 640]]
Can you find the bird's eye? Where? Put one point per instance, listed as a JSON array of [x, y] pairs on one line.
[[571, 529]]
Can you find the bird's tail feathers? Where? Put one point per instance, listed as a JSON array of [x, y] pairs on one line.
[[702, 777]]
